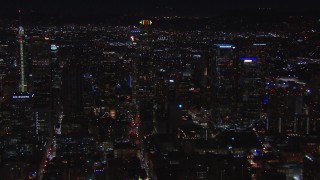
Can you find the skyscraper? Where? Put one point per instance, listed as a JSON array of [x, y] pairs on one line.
[[72, 89], [21, 40], [22, 99], [287, 111], [39, 53], [251, 88], [223, 82], [72, 99], [41, 86]]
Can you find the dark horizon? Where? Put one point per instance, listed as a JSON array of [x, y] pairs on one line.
[[97, 8]]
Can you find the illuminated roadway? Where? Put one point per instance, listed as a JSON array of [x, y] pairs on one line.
[[49, 151], [145, 163], [44, 161]]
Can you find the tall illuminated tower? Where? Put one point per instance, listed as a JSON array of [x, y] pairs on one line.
[[23, 83]]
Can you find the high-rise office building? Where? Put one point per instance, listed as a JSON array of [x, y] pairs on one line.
[[223, 82], [22, 120], [287, 111], [41, 86], [72, 99], [72, 89], [250, 88], [39, 54]]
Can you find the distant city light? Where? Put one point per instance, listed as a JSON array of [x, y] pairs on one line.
[[21, 97], [260, 44], [130, 81], [309, 157], [113, 114], [248, 59], [296, 178], [135, 31], [227, 46], [53, 47], [132, 38]]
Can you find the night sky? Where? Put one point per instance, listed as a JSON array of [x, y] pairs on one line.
[[142, 7]]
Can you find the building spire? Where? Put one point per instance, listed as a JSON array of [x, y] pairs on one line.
[[20, 18]]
